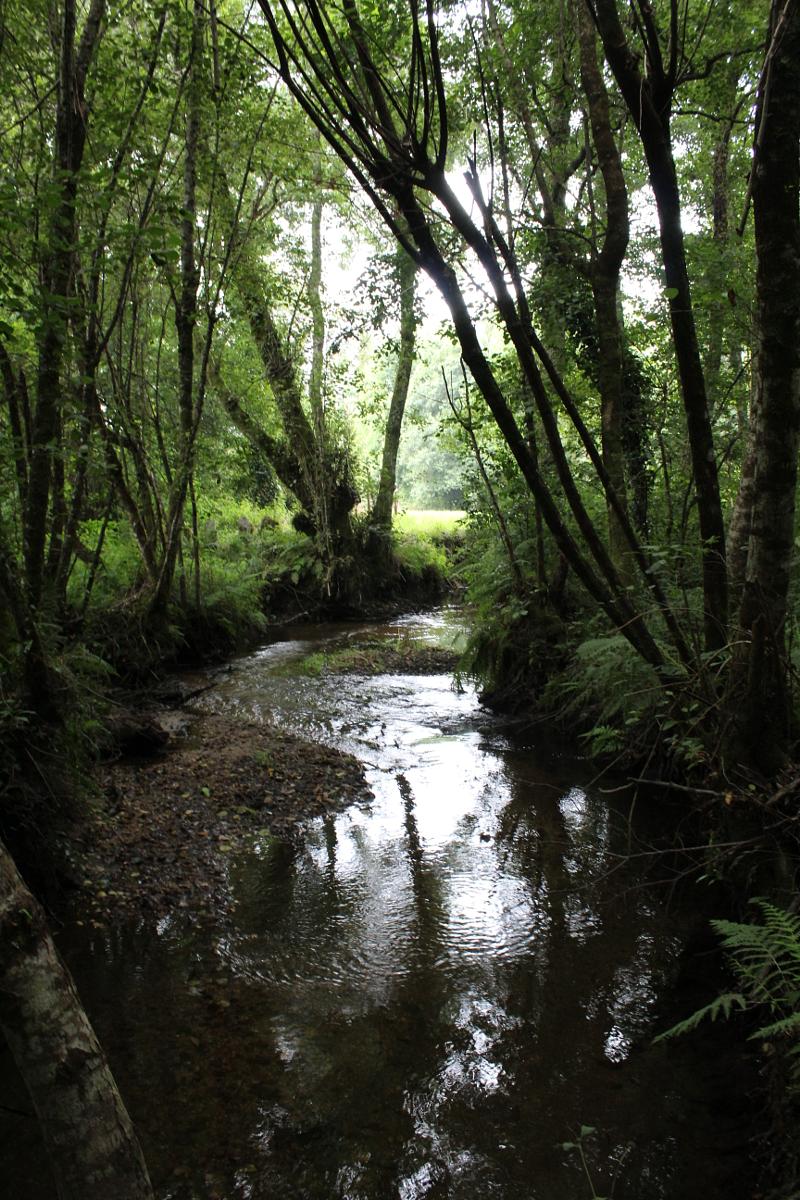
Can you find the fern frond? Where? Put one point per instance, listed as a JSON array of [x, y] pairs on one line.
[[723, 1005], [784, 928], [786, 1025]]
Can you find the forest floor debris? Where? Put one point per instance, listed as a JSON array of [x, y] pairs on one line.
[[165, 829]]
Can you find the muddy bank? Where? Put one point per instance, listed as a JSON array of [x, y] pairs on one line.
[[164, 829]]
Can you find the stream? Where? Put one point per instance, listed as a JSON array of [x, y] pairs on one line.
[[426, 995]]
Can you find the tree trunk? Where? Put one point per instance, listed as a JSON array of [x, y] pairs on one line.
[[406, 275], [56, 272], [606, 267], [93, 1149], [649, 99], [19, 445], [766, 716], [718, 271], [185, 322], [300, 449]]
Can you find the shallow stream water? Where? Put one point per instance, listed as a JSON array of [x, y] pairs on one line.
[[426, 995]]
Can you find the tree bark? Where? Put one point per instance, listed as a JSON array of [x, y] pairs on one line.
[[94, 1152], [767, 712]]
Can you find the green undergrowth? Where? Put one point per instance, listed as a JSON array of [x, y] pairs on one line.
[[45, 763], [589, 682], [437, 525], [254, 569], [553, 658], [517, 640]]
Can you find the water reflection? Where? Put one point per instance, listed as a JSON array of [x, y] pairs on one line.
[[425, 996]]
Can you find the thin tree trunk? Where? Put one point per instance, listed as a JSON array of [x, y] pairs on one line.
[[315, 380], [56, 272], [605, 273], [18, 441], [406, 276], [468, 425], [532, 443], [720, 307], [93, 1150], [185, 322]]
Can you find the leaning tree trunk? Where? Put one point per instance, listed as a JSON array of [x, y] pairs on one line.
[[406, 277], [765, 717], [94, 1152]]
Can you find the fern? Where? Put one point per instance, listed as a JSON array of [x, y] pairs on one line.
[[765, 961], [787, 1025], [765, 958], [606, 680], [723, 1006]]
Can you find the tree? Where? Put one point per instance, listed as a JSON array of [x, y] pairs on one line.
[[650, 97], [393, 133], [406, 274], [93, 1149]]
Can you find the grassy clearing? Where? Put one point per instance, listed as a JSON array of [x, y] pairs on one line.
[[434, 522]]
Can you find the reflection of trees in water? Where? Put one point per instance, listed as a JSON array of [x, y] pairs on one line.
[[588, 981]]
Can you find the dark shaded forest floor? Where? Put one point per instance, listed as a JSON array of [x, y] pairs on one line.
[[164, 829]]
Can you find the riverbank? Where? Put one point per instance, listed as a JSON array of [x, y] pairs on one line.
[[162, 832], [188, 791]]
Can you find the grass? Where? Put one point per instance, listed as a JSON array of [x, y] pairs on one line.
[[429, 522]]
